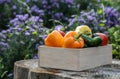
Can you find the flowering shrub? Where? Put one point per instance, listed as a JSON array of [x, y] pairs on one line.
[[46, 9], [99, 21], [54, 9], [112, 16], [90, 18], [20, 41], [8, 10]]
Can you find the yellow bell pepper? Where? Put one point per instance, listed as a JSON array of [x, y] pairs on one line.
[[84, 29]]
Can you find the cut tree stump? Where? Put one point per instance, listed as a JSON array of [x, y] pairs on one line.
[[28, 69]]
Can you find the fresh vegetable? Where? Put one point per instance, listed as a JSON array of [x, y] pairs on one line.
[[88, 40], [81, 37], [71, 40], [103, 37], [96, 41], [84, 29], [62, 33], [54, 39], [91, 42]]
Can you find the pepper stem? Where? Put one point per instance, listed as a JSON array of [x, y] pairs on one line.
[[78, 36]]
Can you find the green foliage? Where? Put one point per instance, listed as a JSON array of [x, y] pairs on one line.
[[114, 39], [20, 46], [5, 13], [115, 4]]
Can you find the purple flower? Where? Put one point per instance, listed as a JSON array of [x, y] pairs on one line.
[[69, 1], [78, 5], [44, 2], [10, 75], [55, 4], [106, 32], [103, 28], [14, 7], [35, 56], [40, 20], [34, 18], [3, 44], [37, 45], [86, 18], [54, 1], [58, 16], [2, 36], [22, 17], [40, 12], [13, 20], [34, 8], [4, 31], [90, 18], [112, 16], [27, 33], [25, 17], [43, 37], [1, 1], [72, 22], [27, 1], [58, 27], [35, 0], [19, 16], [4, 1], [81, 20]]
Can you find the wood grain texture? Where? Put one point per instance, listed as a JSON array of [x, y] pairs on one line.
[[28, 69], [74, 59]]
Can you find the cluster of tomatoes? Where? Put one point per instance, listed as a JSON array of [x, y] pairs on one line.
[[75, 39]]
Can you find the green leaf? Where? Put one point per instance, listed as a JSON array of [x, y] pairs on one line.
[[4, 73], [111, 30], [115, 33], [100, 11], [117, 40], [119, 19], [34, 33], [101, 24]]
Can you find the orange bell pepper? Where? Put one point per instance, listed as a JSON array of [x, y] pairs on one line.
[[54, 39], [72, 40]]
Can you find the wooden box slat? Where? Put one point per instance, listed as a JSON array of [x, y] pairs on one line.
[[74, 59]]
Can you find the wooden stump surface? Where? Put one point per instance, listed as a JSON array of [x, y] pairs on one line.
[[28, 69]]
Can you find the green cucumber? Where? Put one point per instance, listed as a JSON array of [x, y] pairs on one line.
[[91, 42], [87, 39], [96, 41]]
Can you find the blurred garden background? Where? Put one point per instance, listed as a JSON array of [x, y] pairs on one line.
[[25, 23]]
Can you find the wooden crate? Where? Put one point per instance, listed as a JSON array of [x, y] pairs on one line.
[[74, 59]]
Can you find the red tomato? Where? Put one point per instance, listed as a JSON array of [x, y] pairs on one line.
[[62, 33], [104, 38]]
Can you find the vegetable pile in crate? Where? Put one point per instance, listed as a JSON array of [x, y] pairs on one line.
[[81, 37], [75, 50]]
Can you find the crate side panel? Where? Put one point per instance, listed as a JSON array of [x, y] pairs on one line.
[[58, 58], [95, 57]]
